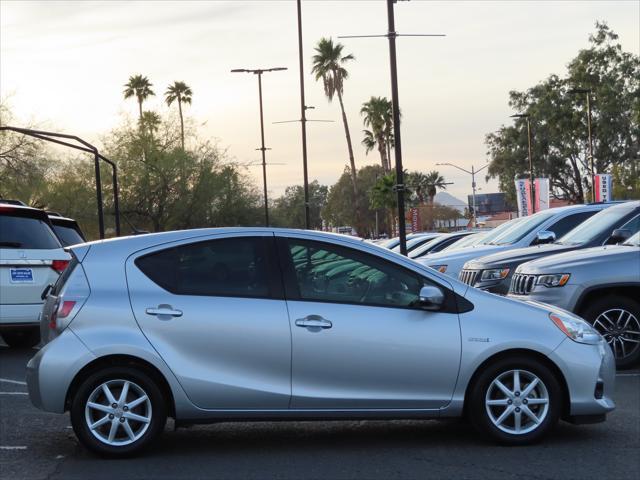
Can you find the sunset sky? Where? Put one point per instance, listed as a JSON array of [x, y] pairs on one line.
[[63, 65]]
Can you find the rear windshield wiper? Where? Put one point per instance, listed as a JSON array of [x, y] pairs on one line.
[[10, 244]]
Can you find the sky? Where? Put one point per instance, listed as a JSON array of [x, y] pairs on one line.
[[63, 65]]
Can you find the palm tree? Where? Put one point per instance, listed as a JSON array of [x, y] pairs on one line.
[[140, 87], [181, 92], [378, 116], [150, 122], [328, 65], [434, 181]]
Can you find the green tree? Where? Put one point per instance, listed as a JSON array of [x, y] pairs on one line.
[[140, 87], [180, 92], [378, 116], [288, 210], [329, 65], [558, 121], [150, 123]]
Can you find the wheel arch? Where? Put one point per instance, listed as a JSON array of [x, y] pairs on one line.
[[520, 352], [121, 361], [630, 290]]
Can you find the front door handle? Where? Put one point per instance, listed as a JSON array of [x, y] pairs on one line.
[[313, 321], [164, 310]]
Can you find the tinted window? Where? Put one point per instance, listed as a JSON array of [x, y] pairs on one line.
[[568, 223], [604, 221], [27, 233], [329, 273], [232, 267], [67, 235], [633, 224]]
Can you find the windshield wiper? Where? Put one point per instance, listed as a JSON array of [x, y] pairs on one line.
[[10, 244]]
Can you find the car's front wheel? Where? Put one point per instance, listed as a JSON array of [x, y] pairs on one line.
[[118, 411], [515, 400]]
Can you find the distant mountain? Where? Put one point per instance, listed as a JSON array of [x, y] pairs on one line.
[[444, 198]]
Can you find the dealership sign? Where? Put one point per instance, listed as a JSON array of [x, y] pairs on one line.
[[523, 195], [603, 187]]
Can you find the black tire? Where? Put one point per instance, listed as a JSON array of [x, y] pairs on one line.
[[146, 384], [612, 302], [22, 338], [477, 409]]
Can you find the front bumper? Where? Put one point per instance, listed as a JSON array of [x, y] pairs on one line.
[[564, 297], [590, 372], [51, 371]]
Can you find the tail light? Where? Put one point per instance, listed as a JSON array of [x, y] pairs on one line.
[[59, 265], [62, 311]]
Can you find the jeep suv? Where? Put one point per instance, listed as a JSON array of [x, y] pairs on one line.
[[601, 284], [610, 226], [31, 257]]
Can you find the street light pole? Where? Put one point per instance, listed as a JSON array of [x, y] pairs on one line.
[[587, 92], [473, 187], [532, 189], [259, 72]]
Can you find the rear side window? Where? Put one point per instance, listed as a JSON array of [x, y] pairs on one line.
[[27, 233], [569, 222], [231, 267], [67, 235]]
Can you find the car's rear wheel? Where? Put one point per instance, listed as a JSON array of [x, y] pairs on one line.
[[617, 318], [515, 400], [118, 411], [22, 338]]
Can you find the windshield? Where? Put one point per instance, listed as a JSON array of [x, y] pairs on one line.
[[499, 230], [522, 228], [67, 235], [469, 240], [633, 241], [601, 222]]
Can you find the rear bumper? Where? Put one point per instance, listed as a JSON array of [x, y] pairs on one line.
[[20, 315], [51, 371]]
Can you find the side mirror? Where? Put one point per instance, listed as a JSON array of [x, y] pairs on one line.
[[431, 298], [545, 236], [619, 235]]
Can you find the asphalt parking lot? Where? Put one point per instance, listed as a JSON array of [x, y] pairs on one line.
[[38, 445]]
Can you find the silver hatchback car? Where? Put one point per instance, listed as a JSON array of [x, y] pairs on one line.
[[260, 324]]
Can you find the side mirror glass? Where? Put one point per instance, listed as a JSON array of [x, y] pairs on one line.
[[619, 235], [545, 236], [431, 298]]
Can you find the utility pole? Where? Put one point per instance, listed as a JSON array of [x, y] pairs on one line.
[[303, 122], [259, 72]]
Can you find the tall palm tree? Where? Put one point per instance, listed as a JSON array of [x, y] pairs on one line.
[[181, 92], [378, 116], [150, 122], [140, 87], [434, 181], [329, 65]]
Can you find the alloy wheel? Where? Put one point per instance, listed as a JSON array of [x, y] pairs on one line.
[[118, 412], [621, 329], [517, 402]]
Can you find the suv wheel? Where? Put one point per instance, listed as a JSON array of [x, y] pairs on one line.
[[23, 338], [118, 411], [617, 318], [516, 401]]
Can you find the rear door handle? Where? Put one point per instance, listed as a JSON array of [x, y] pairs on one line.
[[313, 321], [164, 310]]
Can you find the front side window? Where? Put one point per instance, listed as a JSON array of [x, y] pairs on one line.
[[568, 223], [230, 267], [330, 273]]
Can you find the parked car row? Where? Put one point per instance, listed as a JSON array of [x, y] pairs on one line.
[[582, 258], [32, 257]]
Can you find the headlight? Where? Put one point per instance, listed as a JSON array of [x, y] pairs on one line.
[[575, 328], [440, 268], [555, 280], [494, 274]]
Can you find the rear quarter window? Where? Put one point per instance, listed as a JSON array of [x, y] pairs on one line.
[[27, 233]]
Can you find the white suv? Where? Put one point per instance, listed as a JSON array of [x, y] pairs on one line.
[[31, 258]]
